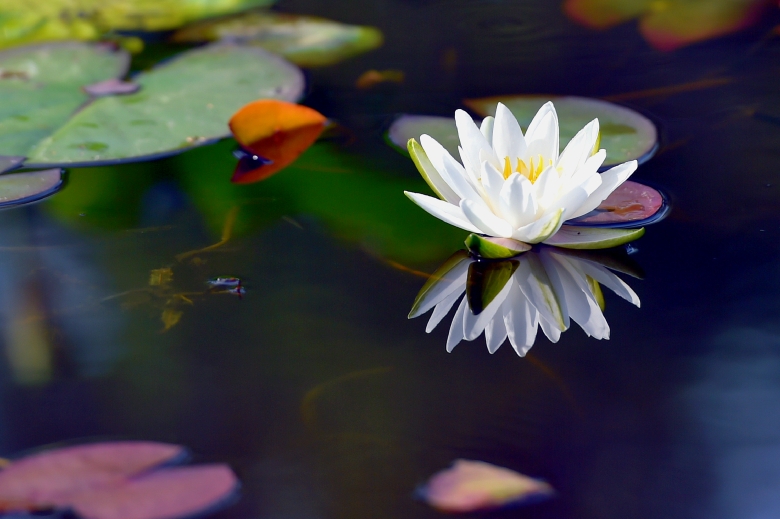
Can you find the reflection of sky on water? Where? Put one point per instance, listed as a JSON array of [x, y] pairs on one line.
[[734, 403]]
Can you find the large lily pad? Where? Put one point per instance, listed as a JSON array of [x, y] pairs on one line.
[[440, 128], [28, 21], [306, 41], [41, 87], [184, 103], [625, 134]]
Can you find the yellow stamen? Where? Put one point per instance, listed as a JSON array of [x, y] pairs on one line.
[[507, 167]]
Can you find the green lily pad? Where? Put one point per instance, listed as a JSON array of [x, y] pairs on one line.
[[41, 87], [625, 134], [573, 237], [407, 127], [30, 186], [306, 41], [183, 103], [25, 21]]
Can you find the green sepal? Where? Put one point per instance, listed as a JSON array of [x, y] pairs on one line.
[[489, 247], [485, 281]]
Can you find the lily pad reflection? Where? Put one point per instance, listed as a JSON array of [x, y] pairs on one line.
[[544, 288]]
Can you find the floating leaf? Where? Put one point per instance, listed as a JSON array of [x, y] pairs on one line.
[[9, 163], [442, 129], [41, 87], [625, 134], [372, 78], [304, 40], [575, 237], [52, 477], [117, 480], [275, 130], [470, 486], [30, 186], [182, 104], [670, 25], [28, 21], [169, 493], [631, 205]]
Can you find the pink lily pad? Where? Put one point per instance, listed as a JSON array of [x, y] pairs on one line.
[[117, 480], [162, 494], [630, 205], [51, 478], [470, 486]]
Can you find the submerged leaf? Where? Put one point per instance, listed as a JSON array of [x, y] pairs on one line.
[[27, 21], [276, 131], [470, 486], [183, 103], [41, 87], [625, 134], [304, 40]]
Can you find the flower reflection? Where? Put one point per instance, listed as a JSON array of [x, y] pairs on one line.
[[544, 288]]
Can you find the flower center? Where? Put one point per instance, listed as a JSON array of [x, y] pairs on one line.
[[530, 171]]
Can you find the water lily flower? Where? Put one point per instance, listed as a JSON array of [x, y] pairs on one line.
[[511, 299], [513, 190]]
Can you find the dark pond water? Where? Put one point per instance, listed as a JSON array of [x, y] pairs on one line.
[[316, 388]]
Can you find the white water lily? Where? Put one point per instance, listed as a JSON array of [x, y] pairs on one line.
[[514, 186], [544, 289]]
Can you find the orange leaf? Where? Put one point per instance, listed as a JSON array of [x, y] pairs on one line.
[[275, 130]]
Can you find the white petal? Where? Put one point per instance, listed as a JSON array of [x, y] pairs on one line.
[[441, 285], [482, 218], [521, 321], [516, 202], [590, 168], [537, 288], [547, 189], [609, 280], [456, 328], [508, 140], [580, 303], [492, 181], [577, 195], [487, 128], [542, 135], [550, 330], [431, 173], [610, 180], [579, 149], [442, 210], [495, 333], [471, 139], [539, 230], [474, 325], [441, 310], [438, 157]]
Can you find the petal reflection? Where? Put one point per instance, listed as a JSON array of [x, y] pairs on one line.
[[510, 300]]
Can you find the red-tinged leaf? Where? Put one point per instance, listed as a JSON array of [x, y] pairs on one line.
[[631, 205], [469, 486], [50, 478], [162, 494], [275, 130]]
